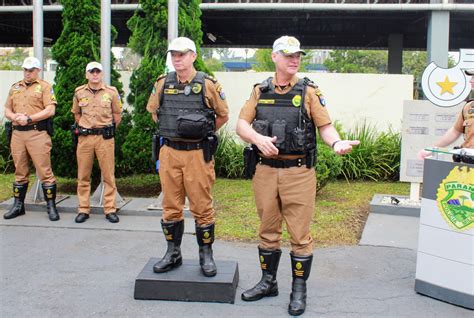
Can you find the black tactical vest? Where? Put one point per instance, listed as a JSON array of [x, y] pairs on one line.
[[183, 113], [286, 117]]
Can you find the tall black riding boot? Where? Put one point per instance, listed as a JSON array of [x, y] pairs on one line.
[[18, 208], [205, 238], [173, 232], [49, 192], [301, 268], [267, 286]]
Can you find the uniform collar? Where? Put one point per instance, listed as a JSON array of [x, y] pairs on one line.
[[23, 83], [102, 86], [292, 83], [193, 75]]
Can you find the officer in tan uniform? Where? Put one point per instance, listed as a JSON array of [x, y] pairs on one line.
[[463, 125], [280, 119], [30, 106], [189, 107], [97, 111]]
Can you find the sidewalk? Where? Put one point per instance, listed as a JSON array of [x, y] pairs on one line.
[[63, 269]]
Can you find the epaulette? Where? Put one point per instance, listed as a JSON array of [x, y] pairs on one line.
[[161, 76], [112, 88], [80, 87], [309, 82], [16, 84], [209, 77]]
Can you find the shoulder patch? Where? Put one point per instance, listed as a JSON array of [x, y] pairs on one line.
[[320, 96]]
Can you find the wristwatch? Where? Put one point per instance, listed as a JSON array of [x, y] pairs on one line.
[[29, 120]]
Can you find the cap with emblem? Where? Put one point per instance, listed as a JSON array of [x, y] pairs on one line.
[[287, 45], [469, 71], [31, 62], [182, 44], [93, 65]]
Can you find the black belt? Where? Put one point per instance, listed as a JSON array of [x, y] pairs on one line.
[[30, 127], [183, 145], [277, 163], [90, 131]]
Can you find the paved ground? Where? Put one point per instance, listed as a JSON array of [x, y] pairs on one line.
[[61, 269]]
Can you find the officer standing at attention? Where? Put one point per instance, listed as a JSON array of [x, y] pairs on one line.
[[463, 125], [279, 119], [189, 106], [30, 106], [97, 112]]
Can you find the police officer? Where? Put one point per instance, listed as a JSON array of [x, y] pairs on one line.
[[280, 118], [188, 106], [97, 111], [463, 125], [30, 106]]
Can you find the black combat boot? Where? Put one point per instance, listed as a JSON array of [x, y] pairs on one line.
[[267, 286], [301, 268], [18, 208], [173, 232], [49, 192], [205, 238]]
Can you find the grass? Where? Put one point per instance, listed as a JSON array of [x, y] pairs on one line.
[[339, 217]]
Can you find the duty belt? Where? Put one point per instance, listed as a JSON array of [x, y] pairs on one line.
[[183, 145], [90, 131], [38, 127], [277, 163]]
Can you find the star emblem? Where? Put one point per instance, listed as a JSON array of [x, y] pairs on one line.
[[446, 86]]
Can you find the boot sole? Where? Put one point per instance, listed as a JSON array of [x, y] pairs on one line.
[[12, 217], [272, 294], [212, 274], [296, 313], [167, 269]]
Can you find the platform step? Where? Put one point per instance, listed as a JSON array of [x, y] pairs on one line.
[[187, 283]]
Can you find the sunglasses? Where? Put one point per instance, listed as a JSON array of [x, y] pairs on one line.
[[28, 70], [97, 71]]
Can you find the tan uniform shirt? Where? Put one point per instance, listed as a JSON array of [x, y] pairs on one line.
[[312, 101], [30, 99], [214, 96], [465, 124], [96, 109]]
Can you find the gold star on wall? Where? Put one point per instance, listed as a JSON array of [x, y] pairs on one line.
[[447, 86]]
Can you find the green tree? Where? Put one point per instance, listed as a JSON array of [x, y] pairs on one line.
[[77, 45], [214, 65], [13, 60], [357, 61], [149, 33]]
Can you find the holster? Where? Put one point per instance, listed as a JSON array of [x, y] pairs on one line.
[[209, 146], [75, 134], [8, 132], [108, 132], [250, 161], [49, 126], [311, 156], [155, 146]]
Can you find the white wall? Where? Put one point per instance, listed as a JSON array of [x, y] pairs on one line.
[[350, 98]]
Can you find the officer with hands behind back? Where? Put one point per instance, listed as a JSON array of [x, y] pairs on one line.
[[97, 112], [189, 106]]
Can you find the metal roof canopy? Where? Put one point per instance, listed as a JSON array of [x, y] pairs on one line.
[[317, 26]]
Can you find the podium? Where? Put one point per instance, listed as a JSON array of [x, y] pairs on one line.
[[187, 283], [445, 257]]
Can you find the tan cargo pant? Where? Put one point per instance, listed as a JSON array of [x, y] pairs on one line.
[[285, 194], [87, 147], [36, 145], [186, 173]]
